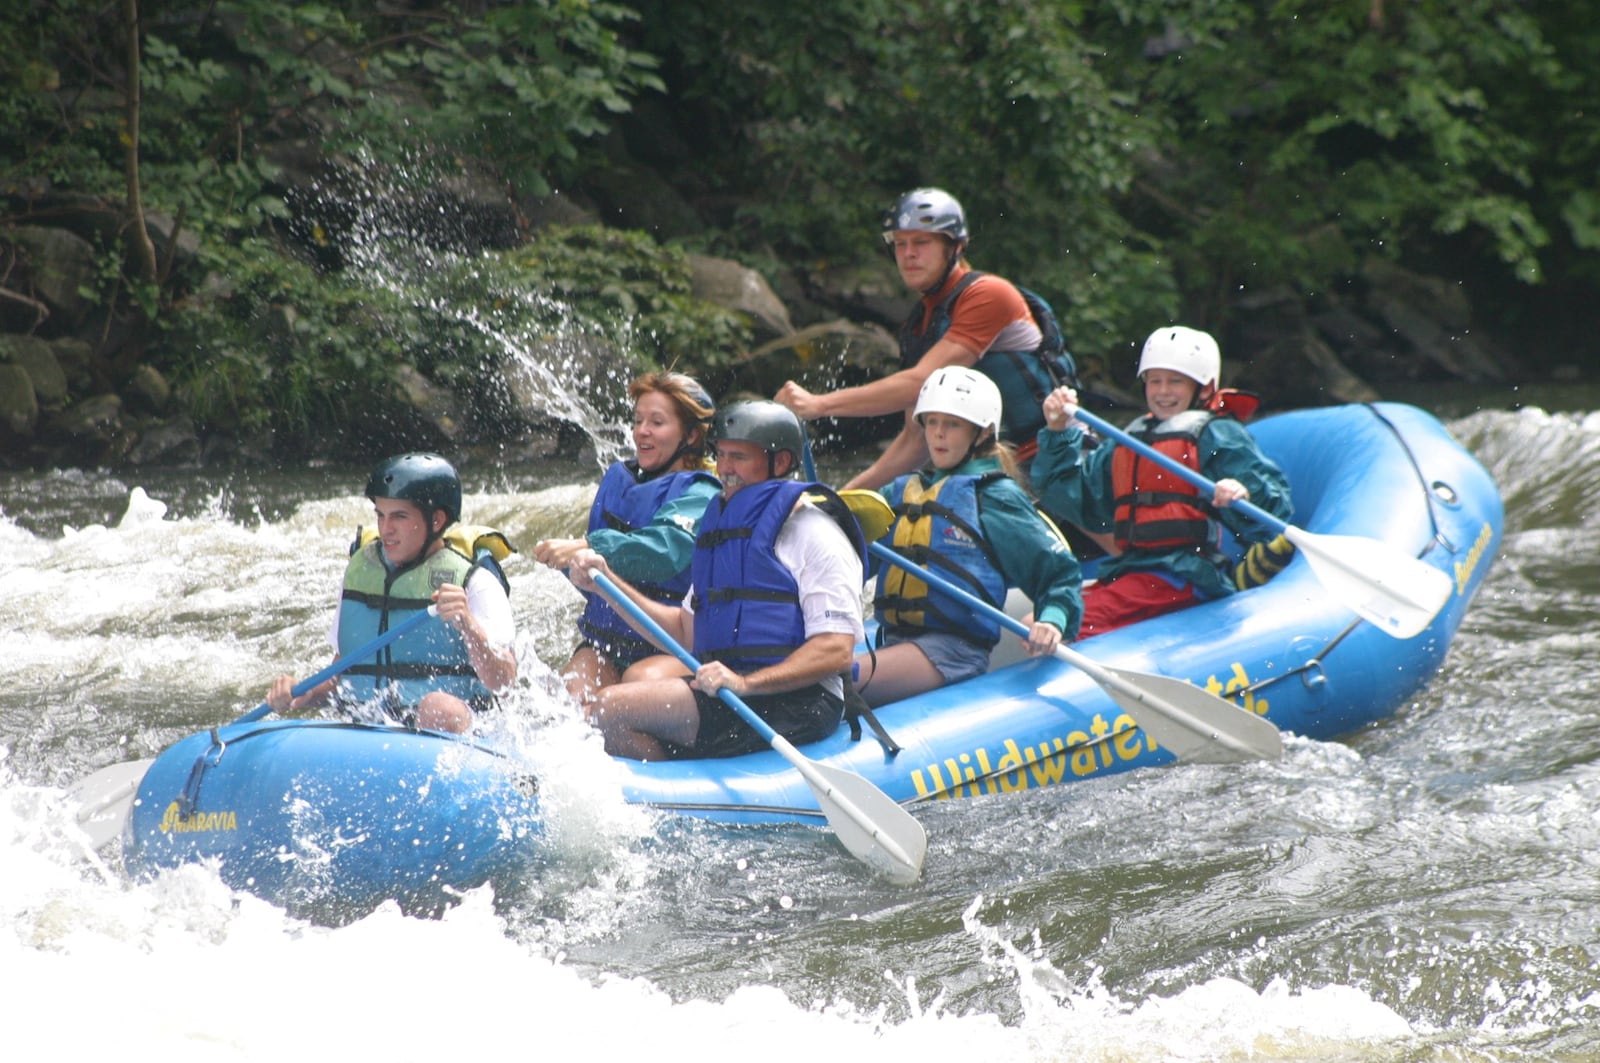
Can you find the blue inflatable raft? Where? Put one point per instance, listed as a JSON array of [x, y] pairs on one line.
[[319, 813]]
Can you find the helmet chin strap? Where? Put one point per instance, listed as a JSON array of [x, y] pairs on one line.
[[949, 265]]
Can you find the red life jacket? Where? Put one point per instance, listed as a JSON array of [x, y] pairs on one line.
[[1157, 509]]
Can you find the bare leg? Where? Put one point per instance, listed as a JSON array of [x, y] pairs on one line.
[[438, 711], [586, 673], [636, 717], [902, 670], [659, 666]]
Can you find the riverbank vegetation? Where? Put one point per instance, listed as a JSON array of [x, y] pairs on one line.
[[287, 228]]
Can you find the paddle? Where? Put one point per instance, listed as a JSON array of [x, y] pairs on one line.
[[105, 797], [1396, 592], [867, 821], [1191, 723]]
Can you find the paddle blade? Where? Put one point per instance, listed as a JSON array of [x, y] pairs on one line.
[[871, 511], [104, 800], [1192, 723], [1395, 592], [869, 823]]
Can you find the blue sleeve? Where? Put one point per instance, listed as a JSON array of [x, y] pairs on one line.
[[663, 548], [1032, 557]]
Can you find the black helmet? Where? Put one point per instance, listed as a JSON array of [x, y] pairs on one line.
[[426, 479], [926, 210], [765, 423]]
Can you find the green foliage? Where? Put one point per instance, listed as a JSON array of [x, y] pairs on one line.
[[618, 286], [1004, 104], [1303, 136], [272, 345]]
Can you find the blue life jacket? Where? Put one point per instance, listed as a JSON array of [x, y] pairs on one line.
[[1024, 378], [624, 502], [939, 528], [431, 657], [746, 602]]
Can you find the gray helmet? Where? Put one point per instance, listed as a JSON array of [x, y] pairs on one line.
[[765, 423], [426, 479], [926, 210]]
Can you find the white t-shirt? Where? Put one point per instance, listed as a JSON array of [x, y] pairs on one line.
[[828, 571]]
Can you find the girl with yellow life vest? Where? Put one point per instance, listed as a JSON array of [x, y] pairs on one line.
[[645, 515], [965, 517], [1169, 537], [437, 675]]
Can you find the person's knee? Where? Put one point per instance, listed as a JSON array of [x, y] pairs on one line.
[[438, 711]]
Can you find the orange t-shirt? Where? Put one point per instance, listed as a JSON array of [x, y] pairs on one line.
[[990, 313]]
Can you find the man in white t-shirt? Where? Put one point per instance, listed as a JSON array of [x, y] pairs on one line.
[[773, 614], [438, 673]]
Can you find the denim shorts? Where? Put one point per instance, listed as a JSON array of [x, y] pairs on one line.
[[952, 656]]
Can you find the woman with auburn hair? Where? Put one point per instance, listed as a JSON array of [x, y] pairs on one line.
[[643, 522]]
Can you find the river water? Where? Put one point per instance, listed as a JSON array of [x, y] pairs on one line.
[[1428, 889]]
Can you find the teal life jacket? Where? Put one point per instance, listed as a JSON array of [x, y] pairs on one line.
[[376, 598]]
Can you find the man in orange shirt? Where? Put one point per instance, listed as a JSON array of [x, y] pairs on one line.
[[965, 317]]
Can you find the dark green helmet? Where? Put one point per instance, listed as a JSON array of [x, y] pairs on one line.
[[426, 479], [926, 210], [765, 423]]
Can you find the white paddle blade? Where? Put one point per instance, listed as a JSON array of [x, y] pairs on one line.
[[869, 823], [104, 800], [1194, 724], [1189, 722], [1396, 593]]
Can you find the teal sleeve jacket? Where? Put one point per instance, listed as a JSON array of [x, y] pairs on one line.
[[1032, 557], [661, 549], [1074, 483]]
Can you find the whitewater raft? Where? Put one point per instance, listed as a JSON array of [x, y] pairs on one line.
[[314, 812]]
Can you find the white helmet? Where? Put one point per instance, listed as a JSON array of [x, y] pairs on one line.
[[961, 392], [1183, 350]]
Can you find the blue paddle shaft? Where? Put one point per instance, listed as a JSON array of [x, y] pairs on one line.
[[657, 632], [306, 685], [1249, 509]]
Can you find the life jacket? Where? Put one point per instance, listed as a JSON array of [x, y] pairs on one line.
[[1156, 509], [626, 502], [746, 602], [1024, 378], [938, 527], [376, 598]]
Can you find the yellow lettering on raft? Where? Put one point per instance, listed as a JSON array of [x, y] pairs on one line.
[[174, 823], [1464, 568], [1045, 763]]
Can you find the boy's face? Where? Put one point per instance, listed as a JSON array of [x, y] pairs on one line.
[[403, 528], [1167, 392]]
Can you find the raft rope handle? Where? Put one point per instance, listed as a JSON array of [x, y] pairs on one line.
[[189, 799], [1422, 481]]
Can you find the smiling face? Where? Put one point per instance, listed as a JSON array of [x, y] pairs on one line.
[[921, 257], [657, 431], [402, 528], [949, 438], [740, 464], [1167, 392]]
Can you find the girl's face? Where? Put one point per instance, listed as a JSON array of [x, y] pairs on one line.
[[949, 438], [657, 432], [1167, 392]]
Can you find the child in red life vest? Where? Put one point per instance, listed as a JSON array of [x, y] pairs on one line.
[[1169, 536]]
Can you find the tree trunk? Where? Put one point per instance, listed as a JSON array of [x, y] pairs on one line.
[[144, 250]]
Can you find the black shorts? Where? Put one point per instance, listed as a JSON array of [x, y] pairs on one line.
[[801, 716]]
